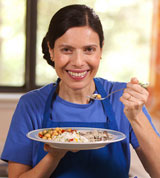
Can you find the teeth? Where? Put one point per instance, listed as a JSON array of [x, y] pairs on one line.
[[77, 74]]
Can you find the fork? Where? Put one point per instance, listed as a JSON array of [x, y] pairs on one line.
[[96, 96]]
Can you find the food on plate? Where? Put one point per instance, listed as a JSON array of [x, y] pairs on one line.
[[62, 135], [96, 135], [75, 136]]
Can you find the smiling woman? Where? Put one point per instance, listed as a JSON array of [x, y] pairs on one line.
[[73, 45], [76, 60], [127, 44]]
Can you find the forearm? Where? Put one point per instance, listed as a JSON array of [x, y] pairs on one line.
[[43, 169], [149, 144], [134, 98]]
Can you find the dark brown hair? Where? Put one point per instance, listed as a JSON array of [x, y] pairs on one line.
[[66, 18]]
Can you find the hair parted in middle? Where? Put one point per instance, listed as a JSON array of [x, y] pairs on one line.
[[67, 17]]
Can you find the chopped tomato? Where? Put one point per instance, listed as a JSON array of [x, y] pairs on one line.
[[40, 135], [71, 140]]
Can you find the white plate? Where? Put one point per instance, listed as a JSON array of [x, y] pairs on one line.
[[116, 137]]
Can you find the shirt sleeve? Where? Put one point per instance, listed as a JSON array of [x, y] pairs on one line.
[[18, 147], [133, 138]]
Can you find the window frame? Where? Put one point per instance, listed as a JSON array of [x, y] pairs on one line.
[[30, 51]]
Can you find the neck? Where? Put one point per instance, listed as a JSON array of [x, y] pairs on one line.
[[78, 96]]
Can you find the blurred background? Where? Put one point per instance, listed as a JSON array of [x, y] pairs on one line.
[[131, 48], [127, 28]]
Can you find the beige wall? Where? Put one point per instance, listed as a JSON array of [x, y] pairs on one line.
[[8, 104]]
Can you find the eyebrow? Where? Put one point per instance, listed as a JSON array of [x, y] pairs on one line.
[[69, 46], [65, 45]]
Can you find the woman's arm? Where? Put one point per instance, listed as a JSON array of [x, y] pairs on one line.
[[134, 98], [149, 148], [43, 169]]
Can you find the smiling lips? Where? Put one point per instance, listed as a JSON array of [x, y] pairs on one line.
[[77, 75]]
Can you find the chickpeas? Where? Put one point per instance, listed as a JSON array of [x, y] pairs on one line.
[[47, 135], [51, 133], [44, 131], [98, 96]]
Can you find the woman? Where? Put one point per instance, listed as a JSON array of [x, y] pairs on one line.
[[73, 46]]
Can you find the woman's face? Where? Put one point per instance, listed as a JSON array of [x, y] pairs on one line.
[[76, 55]]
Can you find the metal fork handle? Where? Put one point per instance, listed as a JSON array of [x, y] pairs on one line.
[[144, 85], [113, 92]]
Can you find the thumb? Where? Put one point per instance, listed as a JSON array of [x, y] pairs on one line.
[[46, 147], [134, 80]]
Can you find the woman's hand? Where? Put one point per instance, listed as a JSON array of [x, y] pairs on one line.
[[56, 153], [133, 98]]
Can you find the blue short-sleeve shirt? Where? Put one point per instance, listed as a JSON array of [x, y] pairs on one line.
[[29, 116]]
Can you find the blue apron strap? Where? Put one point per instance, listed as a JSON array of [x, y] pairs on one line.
[[112, 122], [47, 112], [48, 107], [106, 105]]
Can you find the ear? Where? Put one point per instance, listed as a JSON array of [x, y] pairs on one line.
[[102, 49], [50, 51], [102, 45]]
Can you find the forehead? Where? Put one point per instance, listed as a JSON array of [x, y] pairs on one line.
[[79, 36]]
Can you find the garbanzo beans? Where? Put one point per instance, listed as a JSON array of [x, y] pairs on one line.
[[50, 133], [98, 96]]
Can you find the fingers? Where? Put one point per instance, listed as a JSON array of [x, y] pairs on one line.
[[133, 98], [74, 151], [135, 87], [50, 149], [54, 152], [136, 93], [131, 102], [47, 148]]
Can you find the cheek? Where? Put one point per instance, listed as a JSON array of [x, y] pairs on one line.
[[60, 61], [95, 61]]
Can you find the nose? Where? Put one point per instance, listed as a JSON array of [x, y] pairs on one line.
[[78, 59]]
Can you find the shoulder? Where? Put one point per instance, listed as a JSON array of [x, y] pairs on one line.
[[30, 108], [37, 95], [33, 102]]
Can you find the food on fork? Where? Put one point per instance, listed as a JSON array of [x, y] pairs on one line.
[[96, 96]]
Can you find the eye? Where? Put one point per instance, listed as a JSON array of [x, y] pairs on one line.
[[89, 49], [66, 50]]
